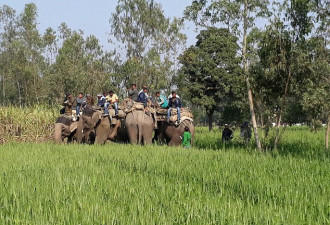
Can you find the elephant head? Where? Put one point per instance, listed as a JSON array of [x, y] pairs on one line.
[[64, 128], [93, 127], [173, 133], [86, 125]]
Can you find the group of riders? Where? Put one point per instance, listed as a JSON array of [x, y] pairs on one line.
[[106, 99]]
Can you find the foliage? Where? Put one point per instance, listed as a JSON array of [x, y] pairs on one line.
[[151, 42], [210, 71]]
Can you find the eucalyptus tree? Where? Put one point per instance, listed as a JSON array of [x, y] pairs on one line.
[[150, 41], [8, 32]]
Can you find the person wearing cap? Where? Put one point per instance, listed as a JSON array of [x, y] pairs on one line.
[[174, 102], [68, 105], [133, 93], [227, 134], [143, 97], [100, 100], [111, 99]]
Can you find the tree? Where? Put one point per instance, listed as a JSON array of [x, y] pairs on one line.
[[8, 32], [211, 70], [227, 13], [150, 40]]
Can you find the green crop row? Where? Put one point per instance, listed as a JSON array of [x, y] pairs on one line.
[[125, 184]]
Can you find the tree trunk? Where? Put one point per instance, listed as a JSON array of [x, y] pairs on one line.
[[327, 134], [253, 116], [279, 120], [210, 116]]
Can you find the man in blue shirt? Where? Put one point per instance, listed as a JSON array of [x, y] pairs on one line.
[[174, 102], [100, 100], [143, 96]]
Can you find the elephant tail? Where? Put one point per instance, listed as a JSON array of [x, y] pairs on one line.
[[139, 131]]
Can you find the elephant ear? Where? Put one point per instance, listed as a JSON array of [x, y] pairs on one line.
[[96, 117]]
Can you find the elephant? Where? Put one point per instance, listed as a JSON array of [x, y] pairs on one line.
[[94, 128], [172, 134], [65, 128], [110, 129], [139, 127]]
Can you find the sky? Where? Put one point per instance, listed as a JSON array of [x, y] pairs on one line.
[[91, 16]]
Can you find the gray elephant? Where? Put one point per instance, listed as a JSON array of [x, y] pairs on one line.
[[94, 128], [174, 134], [139, 126], [88, 120], [110, 129], [64, 128], [170, 132]]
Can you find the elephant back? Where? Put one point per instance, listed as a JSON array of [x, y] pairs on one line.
[[66, 120]]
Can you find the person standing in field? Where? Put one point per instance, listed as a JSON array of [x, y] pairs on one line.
[[246, 131], [186, 139], [227, 134]]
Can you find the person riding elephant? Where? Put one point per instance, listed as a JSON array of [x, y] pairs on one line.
[[89, 100], [175, 103], [133, 93], [143, 97], [68, 103], [161, 100], [80, 103]]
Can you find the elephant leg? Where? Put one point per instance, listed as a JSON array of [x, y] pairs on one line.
[[79, 130], [132, 132], [102, 131], [147, 134], [147, 129], [115, 130], [58, 133]]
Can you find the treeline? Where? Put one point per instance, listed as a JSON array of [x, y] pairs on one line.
[[41, 68], [278, 71]]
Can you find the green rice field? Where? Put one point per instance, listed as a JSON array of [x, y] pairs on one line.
[[208, 184]]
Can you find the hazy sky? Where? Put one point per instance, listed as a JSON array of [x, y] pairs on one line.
[[92, 16]]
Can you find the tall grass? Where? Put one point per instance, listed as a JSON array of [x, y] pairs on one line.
[[124, 184], [296, 141], [29, 124]]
